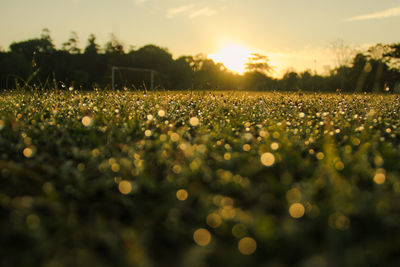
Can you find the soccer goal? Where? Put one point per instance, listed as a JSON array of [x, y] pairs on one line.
[[127, 77]]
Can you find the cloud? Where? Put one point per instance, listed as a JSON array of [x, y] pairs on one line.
[[191, 11], [172, 12], [202, 12], [391, 12]]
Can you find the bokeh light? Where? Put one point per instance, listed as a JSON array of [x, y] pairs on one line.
[[214, 220], [161, 113], [174, 137], [202, 237], [247, 246], [28, 152], [194, 121], [246, 147], [87, 121], [267, 159], [274, 146], [125, 187], [296, 210], [379, 178], [182, 194]]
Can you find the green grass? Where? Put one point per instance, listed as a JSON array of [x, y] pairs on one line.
[[127, 179]]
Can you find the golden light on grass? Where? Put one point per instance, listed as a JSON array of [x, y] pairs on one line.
[[174, 137], [115, 167], [182, 194], [87, 121], [247, 246], [214, 220], [125, 187], [147, 133], [274, 146], [228, 212], [267, 159], [161, 113], [379, 178], [296, 210], [183, 147], [264, 133], [28, 152], [202, 237], [276, 135], [95, 152], [246, 147], [339, 166], [320, 156], [227, 201], [177, 169], [163, 138], [227, 156], [1, 124], [194, 121]]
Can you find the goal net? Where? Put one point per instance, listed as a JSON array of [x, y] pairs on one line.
[[134, 78]]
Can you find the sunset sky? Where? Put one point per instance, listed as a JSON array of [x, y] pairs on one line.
[[292, 33]]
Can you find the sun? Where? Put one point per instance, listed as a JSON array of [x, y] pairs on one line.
[[233, 56]]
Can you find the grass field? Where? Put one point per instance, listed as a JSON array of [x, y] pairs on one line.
[[199, 179]]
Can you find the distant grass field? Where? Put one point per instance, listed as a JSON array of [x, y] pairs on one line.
[[199, 179]]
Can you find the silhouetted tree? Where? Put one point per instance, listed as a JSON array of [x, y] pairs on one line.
[[182, 73], [305, 82], [71, 46], [206, 72], [48, 45], [258, 81], [344, 56], [152, 57], [92, 47], [392, 53], [258, 63], [13, 66], [114, 46], [289, 81], [30, 47]]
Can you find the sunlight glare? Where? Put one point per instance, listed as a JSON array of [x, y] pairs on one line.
[[233, 56]]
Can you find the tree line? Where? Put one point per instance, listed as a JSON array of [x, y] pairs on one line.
[[37, 62]]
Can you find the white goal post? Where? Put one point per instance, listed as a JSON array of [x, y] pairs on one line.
[[116, 68]]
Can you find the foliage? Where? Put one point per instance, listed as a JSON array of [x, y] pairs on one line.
[[259, 63], [71, 46], [119, 178], [92, 47], [114, 46]]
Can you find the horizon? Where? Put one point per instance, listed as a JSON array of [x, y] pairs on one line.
[[299, 38]]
